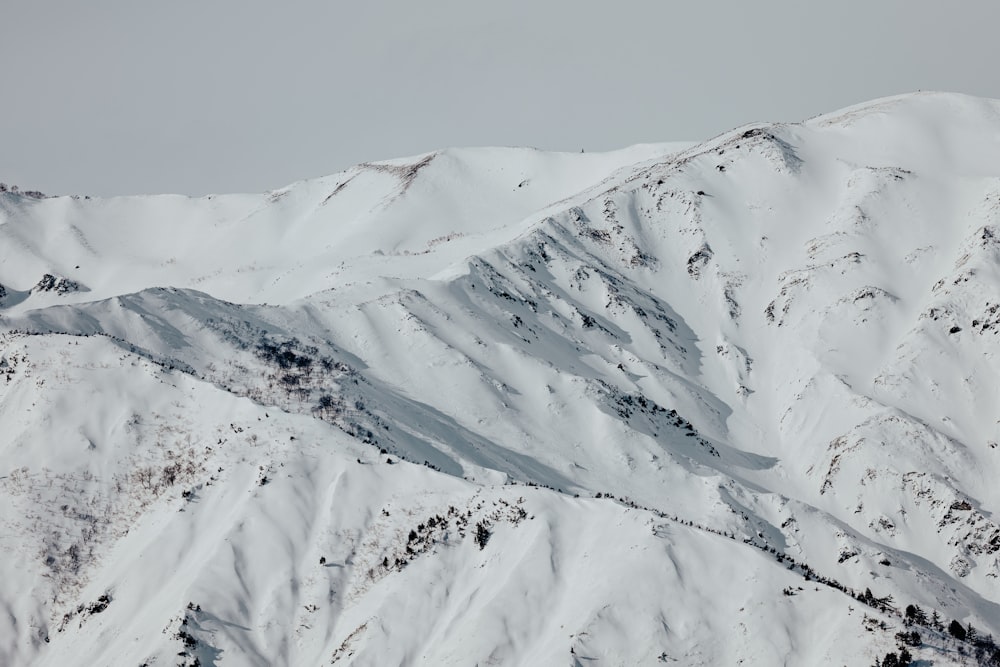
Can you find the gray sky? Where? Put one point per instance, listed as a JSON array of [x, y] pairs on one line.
[[195, 96]]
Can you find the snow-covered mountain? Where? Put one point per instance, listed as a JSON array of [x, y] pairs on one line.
[[730, 403]]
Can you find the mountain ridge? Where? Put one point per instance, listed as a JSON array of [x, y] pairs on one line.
[[752, 340]]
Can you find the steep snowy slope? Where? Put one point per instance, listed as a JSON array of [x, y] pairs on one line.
[[674, 403]]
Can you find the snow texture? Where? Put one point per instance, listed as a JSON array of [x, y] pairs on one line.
[[730, 403]]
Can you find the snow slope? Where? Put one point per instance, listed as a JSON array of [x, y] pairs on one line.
[[675, 404]]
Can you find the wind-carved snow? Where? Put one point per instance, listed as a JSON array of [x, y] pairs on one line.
[[724, 403]]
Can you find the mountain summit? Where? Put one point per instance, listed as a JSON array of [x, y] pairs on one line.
[[725, 403]]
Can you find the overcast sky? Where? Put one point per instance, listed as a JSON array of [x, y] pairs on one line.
[[196, 96]]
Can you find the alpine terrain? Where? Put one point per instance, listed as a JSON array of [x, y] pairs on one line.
[[733, 403]]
